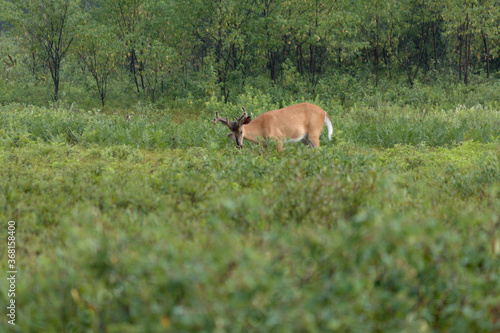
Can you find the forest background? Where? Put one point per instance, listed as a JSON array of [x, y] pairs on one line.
[[120, 53]]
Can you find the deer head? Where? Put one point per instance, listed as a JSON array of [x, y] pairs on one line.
[[236, 127]]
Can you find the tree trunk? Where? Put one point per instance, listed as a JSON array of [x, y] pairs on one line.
[[273, 65], [434, 41], [312, 62], [460, 43], [56, 90], [486, 55], [141, 75], [34, 62], [54, 64], [300, 59], [376, 51], [133, 59], [467, 51]]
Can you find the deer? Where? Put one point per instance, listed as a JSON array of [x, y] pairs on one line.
[[295, 123]]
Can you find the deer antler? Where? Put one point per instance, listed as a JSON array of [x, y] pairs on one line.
[[222, 120], [243, 116]]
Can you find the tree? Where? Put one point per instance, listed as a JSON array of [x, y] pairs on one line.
[[463, 20], [154, 46], [488, 18], [311, 27], [127, 16], [98, 51], [411, 48], [270, 35], [48, 28], [218, 27]]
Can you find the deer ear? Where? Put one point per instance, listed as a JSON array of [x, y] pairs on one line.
[[231, 136], [247, 120]]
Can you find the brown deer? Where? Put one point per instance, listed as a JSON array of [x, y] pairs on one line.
[[296, 123]]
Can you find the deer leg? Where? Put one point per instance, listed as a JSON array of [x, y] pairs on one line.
[[307, 141], [314, 141], [280, 145]]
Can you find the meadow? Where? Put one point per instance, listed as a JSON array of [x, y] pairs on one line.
[[161, 224]]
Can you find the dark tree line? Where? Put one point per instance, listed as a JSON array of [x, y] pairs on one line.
[[155, 41]]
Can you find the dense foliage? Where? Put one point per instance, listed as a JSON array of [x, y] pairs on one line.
[[90, 52]]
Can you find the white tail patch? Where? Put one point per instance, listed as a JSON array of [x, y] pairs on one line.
[[299, 139], [329, 125]]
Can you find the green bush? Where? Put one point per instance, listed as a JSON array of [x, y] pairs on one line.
[[341, 238]]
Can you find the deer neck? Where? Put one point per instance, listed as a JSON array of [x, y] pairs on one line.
[[253, 131]]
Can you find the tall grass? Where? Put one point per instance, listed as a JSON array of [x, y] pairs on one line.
[[392, 126], [87, 128], [376, 127]]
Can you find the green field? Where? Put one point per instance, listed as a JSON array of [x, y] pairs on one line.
[[160, 224], [152, 224]]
